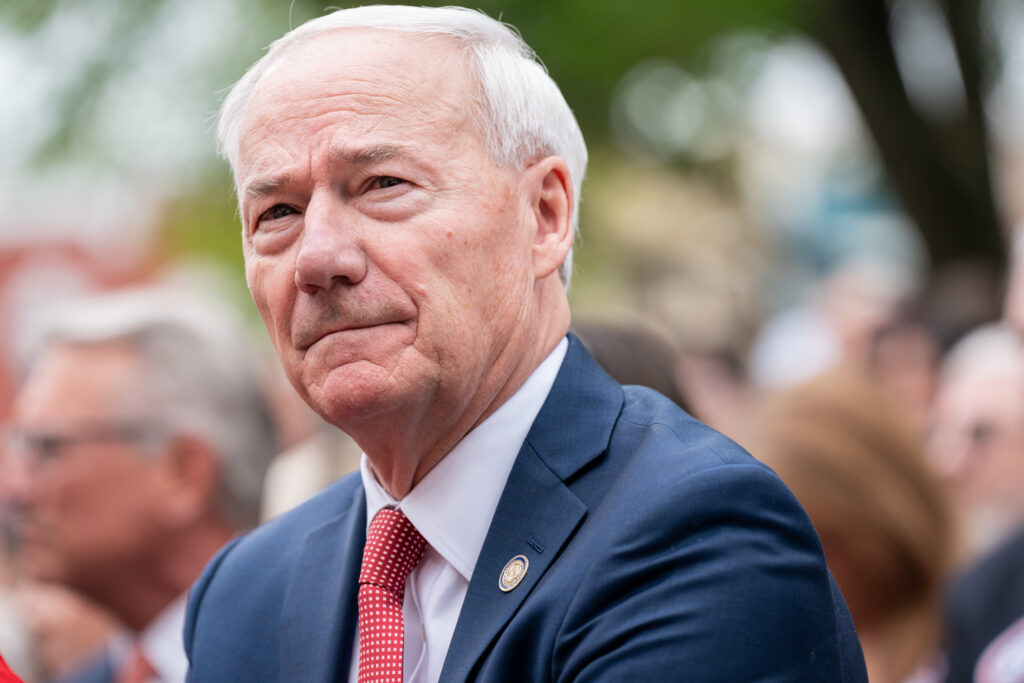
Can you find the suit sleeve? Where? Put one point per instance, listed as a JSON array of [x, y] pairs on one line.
[[195, 600], [726, 582]]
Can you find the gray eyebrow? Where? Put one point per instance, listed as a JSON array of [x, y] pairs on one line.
[[365, 155], [261, 187], [264, 186]]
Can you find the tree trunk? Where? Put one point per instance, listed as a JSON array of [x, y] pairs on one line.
[[940, 169]]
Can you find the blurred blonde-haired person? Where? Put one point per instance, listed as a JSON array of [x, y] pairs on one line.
[[882, 516]]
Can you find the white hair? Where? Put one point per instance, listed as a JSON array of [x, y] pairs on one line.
[[991, 349], [523, 113], [199, 374]]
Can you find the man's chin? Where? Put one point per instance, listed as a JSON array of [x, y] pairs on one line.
[[353, 394]]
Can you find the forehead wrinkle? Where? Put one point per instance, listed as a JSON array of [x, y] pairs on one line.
[[426, 87], [362, 111], [281, 105]]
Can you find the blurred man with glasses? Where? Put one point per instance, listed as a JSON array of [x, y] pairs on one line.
[[139, 443]]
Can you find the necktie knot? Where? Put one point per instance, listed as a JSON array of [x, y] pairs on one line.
[[393, 548]]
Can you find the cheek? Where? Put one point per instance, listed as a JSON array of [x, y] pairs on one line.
[[273, 290], [114, 501], [502, 269], [256, 276], [74, 498], [486, 270]]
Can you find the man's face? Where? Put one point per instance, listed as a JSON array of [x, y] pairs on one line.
[[978, 439], [386, 253], [87, 494]]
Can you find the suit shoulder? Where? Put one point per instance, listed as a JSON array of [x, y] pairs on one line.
[[244, 588], [664, 474], [669, 475], [654, 428], [989, 596], [336, 499], [689, 540], [274, 546]]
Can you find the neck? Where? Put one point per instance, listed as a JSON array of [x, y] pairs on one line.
[[139, 591]]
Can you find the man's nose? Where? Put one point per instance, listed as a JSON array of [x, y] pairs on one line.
[[19, 479], [951, 455], [331, 251]]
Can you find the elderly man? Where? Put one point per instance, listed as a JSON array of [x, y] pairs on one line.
[[977, 440], [978, 445], [408, 182], [141, 436]]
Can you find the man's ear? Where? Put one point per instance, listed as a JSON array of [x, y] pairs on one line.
[[193, 475], [550, 193]]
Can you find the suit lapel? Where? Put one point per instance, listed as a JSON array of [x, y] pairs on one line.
[[320, 615], [538, 513]]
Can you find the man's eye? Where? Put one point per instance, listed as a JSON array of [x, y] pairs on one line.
[[48, 447], [277, 211], [387, 181]]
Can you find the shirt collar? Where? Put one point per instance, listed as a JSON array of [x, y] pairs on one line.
[[160, 642], [453, 504]]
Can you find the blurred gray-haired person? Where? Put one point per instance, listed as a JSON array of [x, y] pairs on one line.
[[140, 438]]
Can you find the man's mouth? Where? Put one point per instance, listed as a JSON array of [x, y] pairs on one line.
[[306, 341]]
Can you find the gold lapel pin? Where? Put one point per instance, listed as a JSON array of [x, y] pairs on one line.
[[513, 573]]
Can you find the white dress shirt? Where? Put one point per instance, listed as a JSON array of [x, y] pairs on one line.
[[452, 507], [161, 642]]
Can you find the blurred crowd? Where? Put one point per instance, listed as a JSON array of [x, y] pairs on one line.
[[149, 427], [894, 413]]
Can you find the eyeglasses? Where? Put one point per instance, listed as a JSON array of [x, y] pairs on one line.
[[41, 446], [976, 435]]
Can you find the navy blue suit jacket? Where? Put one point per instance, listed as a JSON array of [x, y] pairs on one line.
[[97, 669], [658, 550]]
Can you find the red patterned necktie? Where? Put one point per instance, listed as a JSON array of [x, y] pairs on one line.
[[393, 548], [136, 669]]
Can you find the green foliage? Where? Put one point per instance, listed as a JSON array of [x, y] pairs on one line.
[[207, 223], [26, 15], [587, 46]]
